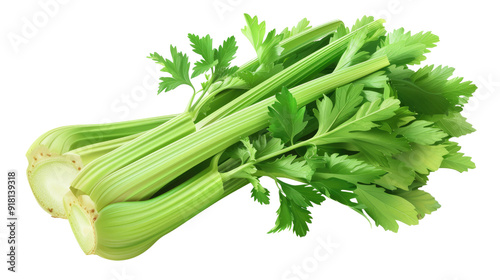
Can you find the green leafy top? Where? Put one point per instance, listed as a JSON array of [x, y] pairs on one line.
[[371, 144], [266, 46], [203, 47], [430, 90], [218, 60], [393, 153], [302, 26], [294, 200], [405, 49], [178, 68]]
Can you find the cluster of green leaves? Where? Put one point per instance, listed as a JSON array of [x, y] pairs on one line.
[[268, 49], [178, 68], [217, 60], [371, 144], [215, 63]]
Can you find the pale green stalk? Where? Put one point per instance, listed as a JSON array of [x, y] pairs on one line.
[[134, 150], [66, 138]]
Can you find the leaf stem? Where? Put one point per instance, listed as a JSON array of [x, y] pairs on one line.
[[229, 174], [189, 106]]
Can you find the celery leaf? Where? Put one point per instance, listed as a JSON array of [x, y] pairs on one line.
[[424, 202], [286, 119], [347, 100], [267, 47], [424, 158], [245, 151], [336, 189], [259, 193], [346, 168], [456, 160], [203, 47], [384, 208], [422, 132], [301, 26], [302, 195], [454, 124], [375, 146], [364, 119], [285, 219], [224, 55], [429, 90], [218, 60], [293, 213], [399, 175], [286, 167], [405, 49], [178, 68], [266, 145]]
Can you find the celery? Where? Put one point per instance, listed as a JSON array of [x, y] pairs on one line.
[[375, 120]]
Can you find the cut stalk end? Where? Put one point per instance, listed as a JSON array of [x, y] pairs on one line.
[[81, 215], [50, 176]]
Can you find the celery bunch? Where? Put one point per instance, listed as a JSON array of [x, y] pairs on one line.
[[335, 109]]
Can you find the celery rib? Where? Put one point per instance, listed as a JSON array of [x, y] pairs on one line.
[[56, 157], [125, 230], [143, 145]]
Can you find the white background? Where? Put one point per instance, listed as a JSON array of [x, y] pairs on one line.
[[85, 62]]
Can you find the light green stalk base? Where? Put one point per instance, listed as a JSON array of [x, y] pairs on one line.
[[127, 229], [81, 216], [50, 178], [56, 157], [50, 175]]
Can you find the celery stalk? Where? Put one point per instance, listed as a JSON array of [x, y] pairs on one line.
[[125, 230], [64, 139], [57, 156], [132, 151]]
